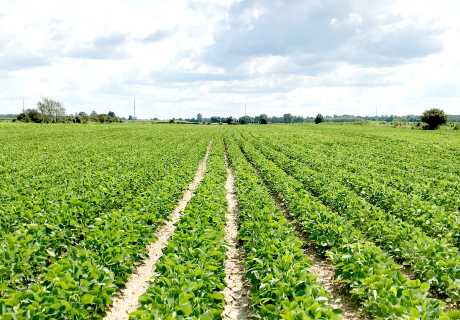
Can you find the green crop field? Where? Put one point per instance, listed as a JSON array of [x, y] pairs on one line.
[[79, 205]]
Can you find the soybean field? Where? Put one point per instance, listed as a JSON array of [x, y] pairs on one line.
[[169, 221]]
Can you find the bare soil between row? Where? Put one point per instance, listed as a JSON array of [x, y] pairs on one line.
[[127, 301]]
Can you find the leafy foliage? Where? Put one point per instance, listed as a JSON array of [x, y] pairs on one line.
[[369, 278], [284, 286], [432, 259], [319, 118], [30, 115], [191, 271], [71, 262], [434, 118]]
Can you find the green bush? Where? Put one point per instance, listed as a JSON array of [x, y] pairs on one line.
[[434, 118], [319, 118], [31, 115]]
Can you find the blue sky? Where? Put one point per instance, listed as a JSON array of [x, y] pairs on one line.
[[178, 58]]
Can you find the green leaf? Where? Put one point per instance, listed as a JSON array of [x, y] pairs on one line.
[[414, 312], [425, 286], [87, 298], [206, 316], [218, 296], [186, 308], [454, 314]]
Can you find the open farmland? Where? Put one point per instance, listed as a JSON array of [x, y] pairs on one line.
[[163, 221]]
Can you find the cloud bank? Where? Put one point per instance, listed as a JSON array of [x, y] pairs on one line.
[[179, 58]]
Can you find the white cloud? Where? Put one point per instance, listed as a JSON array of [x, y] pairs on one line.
[[178, 58]]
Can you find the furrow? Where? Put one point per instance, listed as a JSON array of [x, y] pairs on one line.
[[321, 267], [370, 272], [239, 304], [128, 300]]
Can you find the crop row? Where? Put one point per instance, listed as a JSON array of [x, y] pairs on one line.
[[423, 149], [32, 247], [191, 271], [371, 273], [420, 155], [82, 283], [383, 163], [422, 187], [431, 219], [279, 271], [433, 260], [91, 178]]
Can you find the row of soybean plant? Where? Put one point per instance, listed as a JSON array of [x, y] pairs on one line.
[[385, 182], [83, 281], [190, 272], [434, 260], [382, 162], [283, 284], [372, 275], [43, 226]]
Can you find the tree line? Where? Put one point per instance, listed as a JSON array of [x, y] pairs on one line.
[[289, 118], [52, 111]]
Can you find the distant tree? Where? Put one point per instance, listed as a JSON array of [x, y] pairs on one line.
[[23, 117], [244, 120], [298, 119], [103, 118], [51, 109], [130, 118], [230, 120], [276, 119], [199, 117], [81, 118], [215, 119], [9, 115], [434, 118], [319, 118], [287, 117], [93, 113], [111, 114], [30, 115], [263, 118]]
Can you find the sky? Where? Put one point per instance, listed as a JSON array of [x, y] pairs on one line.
[[178, 58]]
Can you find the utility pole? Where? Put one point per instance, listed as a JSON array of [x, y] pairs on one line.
[[134, 108]]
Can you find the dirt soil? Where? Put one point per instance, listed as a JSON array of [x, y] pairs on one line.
[[127, 301], [239, 304], [323, 268]]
